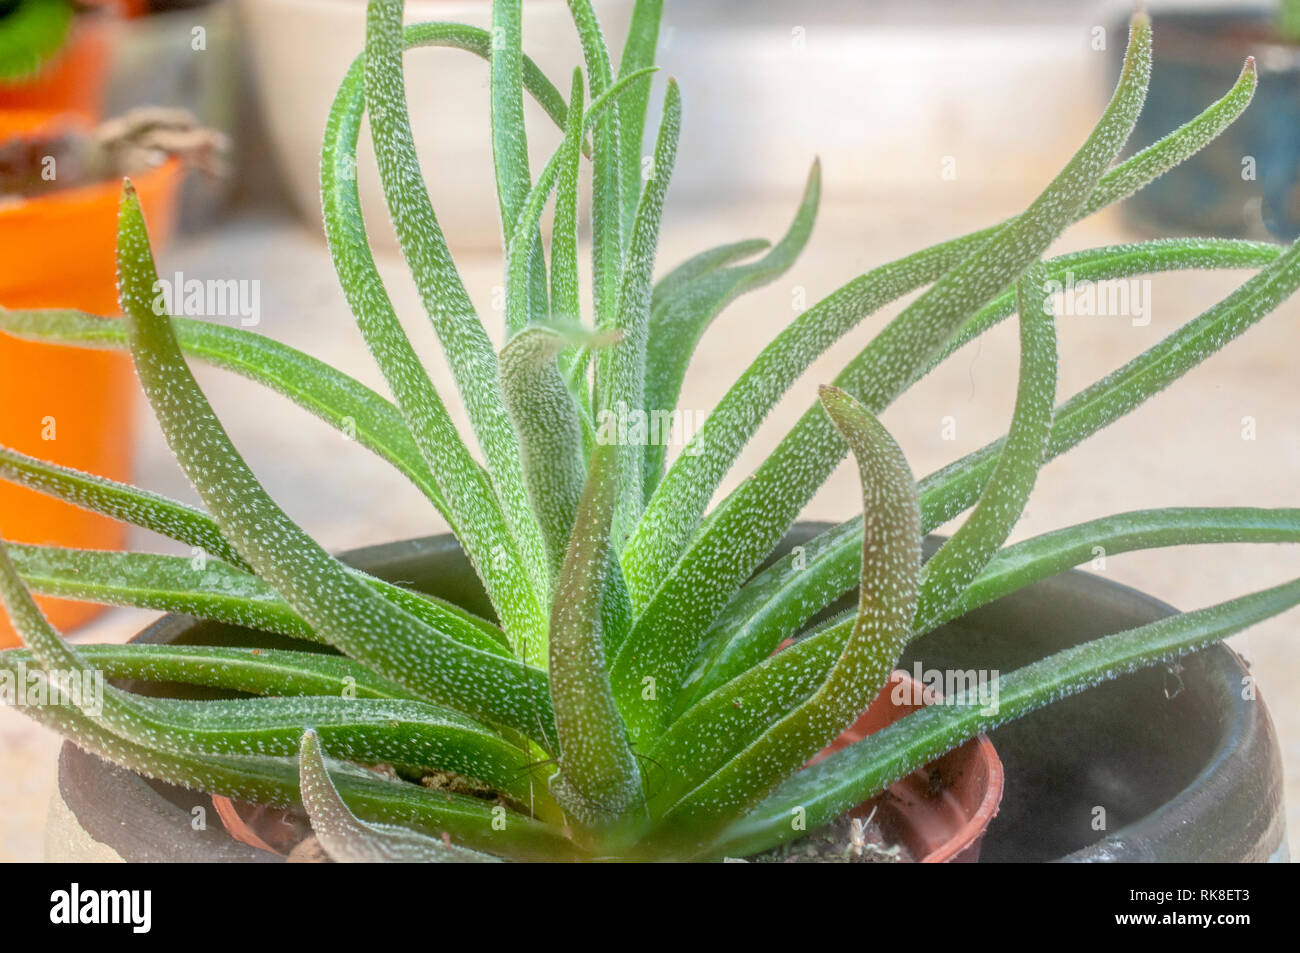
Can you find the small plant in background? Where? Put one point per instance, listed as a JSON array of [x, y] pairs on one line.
[[627, 699], [1288, 20], [32, 32]]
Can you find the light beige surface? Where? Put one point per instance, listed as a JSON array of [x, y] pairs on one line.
[[1184, 447]]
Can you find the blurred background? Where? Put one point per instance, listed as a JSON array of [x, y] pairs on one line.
[[930, 118]]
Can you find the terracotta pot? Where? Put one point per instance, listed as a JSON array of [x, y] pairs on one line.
[[940, 812], [68, 405]]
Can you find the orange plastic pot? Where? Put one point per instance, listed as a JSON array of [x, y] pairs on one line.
[[68, 405], [939, 812]]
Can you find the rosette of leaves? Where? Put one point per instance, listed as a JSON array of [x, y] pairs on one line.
[[625, 699]]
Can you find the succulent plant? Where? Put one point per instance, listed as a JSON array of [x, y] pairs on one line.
[[627, 699]]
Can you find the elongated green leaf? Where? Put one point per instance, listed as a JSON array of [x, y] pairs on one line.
[[336, 398], [410, 735], [520, 309], [950, 490], [347, 839], [406, 733], [1156, 159], [476, 514], [566, 305], [891, 563], [606, 201], [674, 513], [752, 520], [703, 263], [120, 501], [638, 53], [277, 672], [1041, 556], [620, 369], [599, 779], [677, 324], [465, 343], [346, 612], [510, 140], [194, 527], [274, 781], [961, 558], [776, 604], [781, 599], [550, 431], [210, 589], [832, 786]]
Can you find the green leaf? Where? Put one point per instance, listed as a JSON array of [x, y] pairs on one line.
[[476, 514], [346, 612], [510, 144], [409, 735], [681, 317], [465, 343], [280, 672], [960, 559], [620, 369], [774, 605], [32, 34], [1050, 553], [638, 53], [210, 589], [752, 520], [412, 734], [891, 563], [566, 304], [347, 839], [673, 516], [274, 781], [952, 489], [599, 780], [780, 600], [606, 201], [849, 777], [701, 264], [331, 395], [520, 307], [120, 501], [550, 431]]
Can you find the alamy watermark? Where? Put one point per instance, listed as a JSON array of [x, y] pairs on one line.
[[1119, 298], [953, 686], [82, 689], [626, 427], [211, 298]]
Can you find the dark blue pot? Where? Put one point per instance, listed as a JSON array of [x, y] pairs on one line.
[[1198, 56]]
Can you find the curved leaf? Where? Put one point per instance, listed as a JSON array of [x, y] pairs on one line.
[[960, 559], [891, 563], [346, 612], [347, 839], [329, 394], [849, 777]]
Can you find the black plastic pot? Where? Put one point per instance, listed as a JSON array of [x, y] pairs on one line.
[[1184, 767]]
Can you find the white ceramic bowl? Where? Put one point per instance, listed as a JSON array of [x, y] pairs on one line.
[[301, 49]]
